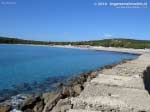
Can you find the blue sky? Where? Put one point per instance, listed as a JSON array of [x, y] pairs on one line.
[[71, 20]]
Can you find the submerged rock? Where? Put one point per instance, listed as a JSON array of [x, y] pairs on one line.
[[30, 103], [23, 87], [6, 94], [18, 99], [50, 101]]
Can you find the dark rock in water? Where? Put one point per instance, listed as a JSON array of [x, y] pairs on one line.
[[5, 108], [52, 80], [77, 80], [50, 101], [17, 100], [108, 66], [5, 94], [23, 87], [57, 85], [2, 99], [29, 103]]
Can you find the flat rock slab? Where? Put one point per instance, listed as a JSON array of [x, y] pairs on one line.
[[113, 97], [119, 89], [121, 81]]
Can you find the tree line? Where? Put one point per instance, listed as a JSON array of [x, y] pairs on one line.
[[125, 43]]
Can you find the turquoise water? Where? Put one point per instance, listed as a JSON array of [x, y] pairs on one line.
[[21, 64]]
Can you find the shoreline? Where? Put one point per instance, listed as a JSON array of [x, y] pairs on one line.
[[95, 48], [110, 49], [67, 90], [110, 83], [86, 77]]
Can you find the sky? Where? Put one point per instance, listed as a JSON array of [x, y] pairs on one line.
[[72, 20]]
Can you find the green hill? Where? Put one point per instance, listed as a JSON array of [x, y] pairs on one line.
[[126, 43], [117, 42], [7, 40]]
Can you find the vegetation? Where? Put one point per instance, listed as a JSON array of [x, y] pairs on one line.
[[20, 41], [126, 43]]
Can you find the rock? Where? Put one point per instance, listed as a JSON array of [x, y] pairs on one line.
[[66, 91], [30, 103], [148, 68], [58, 85], [2, 99], [63, 105], [39, 107], [146, 79], [5, 108], [77, 89], [19, 99], [48, 96], [52, 102], [93, 75], [6, 94], [88, 79], [23, 87], [82, 79]]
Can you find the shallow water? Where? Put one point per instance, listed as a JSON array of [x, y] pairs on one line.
[[22, 65]]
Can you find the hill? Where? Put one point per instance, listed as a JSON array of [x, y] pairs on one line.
[[117, 42], [7, 40]]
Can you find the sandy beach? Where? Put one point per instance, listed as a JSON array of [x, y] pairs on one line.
[[123, 50], [101, 48]]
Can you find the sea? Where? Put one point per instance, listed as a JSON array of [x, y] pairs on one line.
[[26, 68]]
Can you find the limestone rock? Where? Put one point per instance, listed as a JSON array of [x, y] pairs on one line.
[[48, 96], [39, 107], [30, 103], [5, 108], [52, 102], [63, 105], [77, 88], [65, 91]]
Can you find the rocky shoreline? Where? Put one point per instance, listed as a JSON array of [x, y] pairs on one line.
[[58, 101], [122, 88], [55, 101]]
